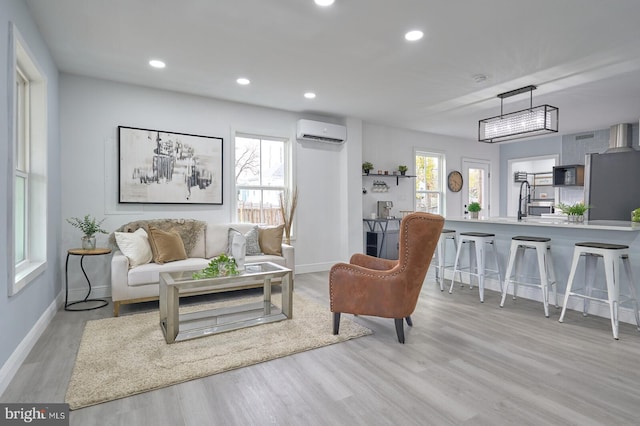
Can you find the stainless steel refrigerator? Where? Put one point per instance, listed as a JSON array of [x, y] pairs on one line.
[[612, 183]]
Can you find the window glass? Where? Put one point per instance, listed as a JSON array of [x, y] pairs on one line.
[[261, 177], [20, 199], [429, 182]]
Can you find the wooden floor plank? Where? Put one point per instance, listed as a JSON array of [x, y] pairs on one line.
[[464, 362]]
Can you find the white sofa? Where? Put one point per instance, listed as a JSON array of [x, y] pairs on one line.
[[141, 283]]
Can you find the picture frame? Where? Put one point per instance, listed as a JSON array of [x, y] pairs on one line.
[[161, 167]]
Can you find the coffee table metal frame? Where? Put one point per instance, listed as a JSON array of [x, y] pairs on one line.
[[177, 327]]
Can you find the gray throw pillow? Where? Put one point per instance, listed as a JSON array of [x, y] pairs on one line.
[[252, 237]]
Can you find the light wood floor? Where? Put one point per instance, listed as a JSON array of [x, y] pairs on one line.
[[464, 363]]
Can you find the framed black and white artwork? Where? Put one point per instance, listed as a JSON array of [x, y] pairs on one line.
[[167, 167]]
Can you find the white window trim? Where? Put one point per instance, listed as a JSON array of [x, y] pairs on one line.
[[36, 263], [289, 180], [443, 166]]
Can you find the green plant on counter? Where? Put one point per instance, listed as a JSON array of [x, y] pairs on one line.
[[474, 207], [635, 215], [219, 266], [402, 169], [366, 167], [577, 209], [88, 225]]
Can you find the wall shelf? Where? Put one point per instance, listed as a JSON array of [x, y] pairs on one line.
[[388, 176]]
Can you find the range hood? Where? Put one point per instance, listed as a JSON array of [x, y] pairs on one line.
[[620, 139]]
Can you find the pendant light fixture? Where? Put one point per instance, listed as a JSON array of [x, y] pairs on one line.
[[533, 121]]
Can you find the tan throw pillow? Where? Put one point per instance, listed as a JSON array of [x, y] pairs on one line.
[[271, 240], [166, 246], [135, 246]]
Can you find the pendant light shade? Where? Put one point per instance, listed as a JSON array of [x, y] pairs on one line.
[[533, 121]]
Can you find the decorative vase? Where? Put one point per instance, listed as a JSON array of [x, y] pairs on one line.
[[575, 218], [403, 172], [474, 215], [88, 242]]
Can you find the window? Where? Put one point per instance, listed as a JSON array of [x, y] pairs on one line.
[[261, 174], [27, 188], [429, 182]]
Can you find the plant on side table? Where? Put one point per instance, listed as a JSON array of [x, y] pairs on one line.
[[219, 266], [575, 212], [474, 208], [89, 227]]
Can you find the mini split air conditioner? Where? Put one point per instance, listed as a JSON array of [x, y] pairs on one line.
[[321, 132]]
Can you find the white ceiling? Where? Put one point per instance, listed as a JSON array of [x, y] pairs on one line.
[[584, 55]]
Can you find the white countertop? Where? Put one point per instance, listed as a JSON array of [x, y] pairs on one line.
[[607, 225]]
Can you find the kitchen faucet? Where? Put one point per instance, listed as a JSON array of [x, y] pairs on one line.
[[527, 198]]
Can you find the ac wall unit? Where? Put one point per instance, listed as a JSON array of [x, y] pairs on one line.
[[321, 132]]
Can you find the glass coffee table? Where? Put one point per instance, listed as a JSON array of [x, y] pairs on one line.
[[178, 326]]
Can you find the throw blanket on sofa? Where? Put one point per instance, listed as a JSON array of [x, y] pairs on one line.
[[190, 230]]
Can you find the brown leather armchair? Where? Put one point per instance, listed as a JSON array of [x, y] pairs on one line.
[[385, 288]]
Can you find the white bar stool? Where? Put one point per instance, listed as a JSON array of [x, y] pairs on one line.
[[441, 253], [477, 259], [611, 255], [542, 246]]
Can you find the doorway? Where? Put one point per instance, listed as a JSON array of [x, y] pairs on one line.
[[529, 165], [477, 174]]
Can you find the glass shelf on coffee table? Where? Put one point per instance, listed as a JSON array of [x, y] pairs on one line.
[[177, 327]]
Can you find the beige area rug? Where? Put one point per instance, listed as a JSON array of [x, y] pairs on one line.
[[124, 356]]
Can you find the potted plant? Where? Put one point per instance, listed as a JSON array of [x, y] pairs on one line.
[[474, 208], [574, 212], [367, 167], [89, 227], [635, 215], [403, 169], [219, 266]]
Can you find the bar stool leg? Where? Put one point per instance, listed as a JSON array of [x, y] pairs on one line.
[[632, 288], [480, 259], [473, 263], [440, 268], [507, 277], [552, 274], [567, 291], [589, 280], [544, 282], [612, 273], [495, 257], [455, 267], [519, 260]]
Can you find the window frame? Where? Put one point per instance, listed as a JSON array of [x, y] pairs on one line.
[[287, 178], [22, 62], [441, 178]]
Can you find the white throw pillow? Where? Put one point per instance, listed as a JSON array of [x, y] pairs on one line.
[[135, 245]]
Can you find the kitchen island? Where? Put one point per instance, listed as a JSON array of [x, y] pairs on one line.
[[563, 236]]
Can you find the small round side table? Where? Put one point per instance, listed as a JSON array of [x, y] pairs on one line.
[[82, 253]]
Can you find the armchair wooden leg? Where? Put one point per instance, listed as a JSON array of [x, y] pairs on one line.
[[336, 322], [400, 329], [409, 322]]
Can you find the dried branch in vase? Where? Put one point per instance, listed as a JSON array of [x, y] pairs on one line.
[[287, 210]]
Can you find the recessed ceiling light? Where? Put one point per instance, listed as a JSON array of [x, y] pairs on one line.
[[324, 2], [157, 63], [310, 95], [414, 35], [243, 81]]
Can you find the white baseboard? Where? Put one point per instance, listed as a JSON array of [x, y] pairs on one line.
[[19, 355], [96, 292], [314, 267]]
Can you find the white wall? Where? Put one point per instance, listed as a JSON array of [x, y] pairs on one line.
[[24, 316], [388, 147], [91, 111]]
